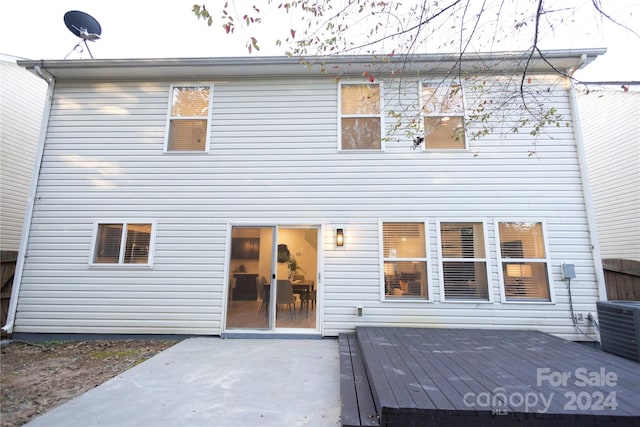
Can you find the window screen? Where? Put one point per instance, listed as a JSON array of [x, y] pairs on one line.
[[361, 126], [443, 111], [189, 118]]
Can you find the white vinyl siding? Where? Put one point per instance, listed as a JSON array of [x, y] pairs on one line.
[[274, 161], [611, 135], [22, 99]]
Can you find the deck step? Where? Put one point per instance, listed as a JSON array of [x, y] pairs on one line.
[[358, 408]]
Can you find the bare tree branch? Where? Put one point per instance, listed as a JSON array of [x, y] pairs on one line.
[[408, 30], [534, 47], [386, 29], [596, 5]]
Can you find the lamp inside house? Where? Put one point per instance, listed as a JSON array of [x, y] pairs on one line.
[[519, 271], [339, 237], [389, 269]]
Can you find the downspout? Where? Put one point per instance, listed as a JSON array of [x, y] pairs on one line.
[[26, 226], [586, 188]]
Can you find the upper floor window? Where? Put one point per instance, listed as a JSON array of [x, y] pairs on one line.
[[463, 260], [404, 260], [361, 123], [443, 116], [188, 119], [120, 243], [524, 262]]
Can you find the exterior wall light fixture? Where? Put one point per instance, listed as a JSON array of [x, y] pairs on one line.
[[339, 237]]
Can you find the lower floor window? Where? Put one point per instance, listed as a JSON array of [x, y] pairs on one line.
[[405, 260], [464, 263], [123, 243], [405, 279], [524, 261]]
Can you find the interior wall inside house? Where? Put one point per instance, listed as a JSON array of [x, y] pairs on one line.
[[303, 245]]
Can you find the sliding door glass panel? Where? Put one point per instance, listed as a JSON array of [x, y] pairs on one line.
[[296, 284], [249, 281]]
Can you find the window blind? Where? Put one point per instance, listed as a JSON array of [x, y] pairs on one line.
[[404, 253], [523, 259], [187, 135], [464, 267], [137, 245], [108, 243], [112, 239]]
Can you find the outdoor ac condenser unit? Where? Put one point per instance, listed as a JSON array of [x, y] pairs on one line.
[[620, 328]]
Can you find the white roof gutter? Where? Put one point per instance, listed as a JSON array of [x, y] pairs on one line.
[[202, 68]]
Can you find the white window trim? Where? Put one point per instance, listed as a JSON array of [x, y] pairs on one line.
[[422, 116], [545, 238], [427, 258], [486, 260], [123, 241], [169, 117], [381, 115]]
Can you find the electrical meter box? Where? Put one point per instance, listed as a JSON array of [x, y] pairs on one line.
[[568, 271]]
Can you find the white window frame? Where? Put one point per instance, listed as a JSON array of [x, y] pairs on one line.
[[547, 260], [442, 259], [437, 83], [380, 115], [426, 260], [167, 132], [123, 242]]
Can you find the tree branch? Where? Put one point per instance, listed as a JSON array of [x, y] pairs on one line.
[[534, 48], [408, 30], [596, 5]]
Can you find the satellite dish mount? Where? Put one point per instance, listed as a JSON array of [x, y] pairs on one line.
[[84, 26]]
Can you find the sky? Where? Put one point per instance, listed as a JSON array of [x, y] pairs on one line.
[[35, 29]]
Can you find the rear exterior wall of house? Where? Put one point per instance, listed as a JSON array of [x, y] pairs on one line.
[[274, 158]]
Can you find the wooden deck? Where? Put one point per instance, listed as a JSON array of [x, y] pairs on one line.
[[461, 377]]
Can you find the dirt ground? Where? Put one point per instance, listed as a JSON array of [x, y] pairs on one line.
[[35, 378]]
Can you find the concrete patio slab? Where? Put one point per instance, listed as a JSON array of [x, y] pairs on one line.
[[217, 382]]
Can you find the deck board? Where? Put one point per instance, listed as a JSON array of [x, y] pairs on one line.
[[358, 408], [420, 376], [456, 369], [366, 406], [349, 413]]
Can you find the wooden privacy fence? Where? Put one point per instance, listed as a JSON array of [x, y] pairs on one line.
[[622, 279], [7, 270]]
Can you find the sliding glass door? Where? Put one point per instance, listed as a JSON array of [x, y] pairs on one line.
[[272, 282]]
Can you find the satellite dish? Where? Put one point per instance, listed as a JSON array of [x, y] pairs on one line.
[[84, 26]]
